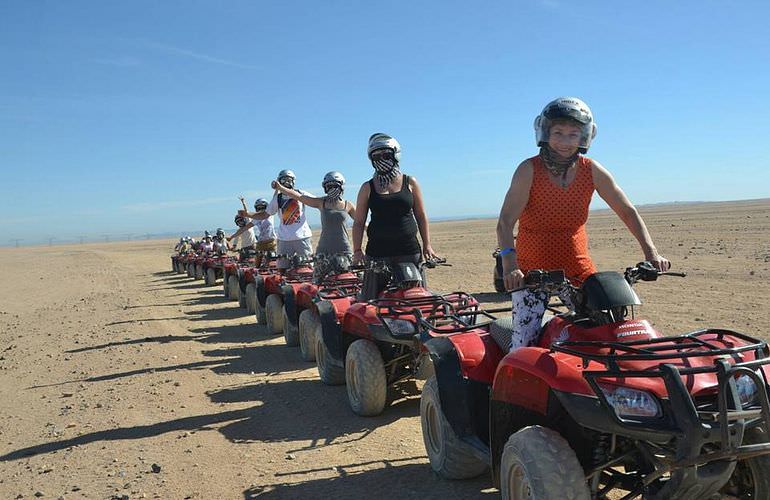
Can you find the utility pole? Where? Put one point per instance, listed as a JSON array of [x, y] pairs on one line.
[[16, 241]]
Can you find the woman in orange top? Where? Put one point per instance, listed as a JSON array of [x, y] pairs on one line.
[[549, 197]]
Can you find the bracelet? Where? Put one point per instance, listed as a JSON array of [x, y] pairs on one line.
[[506, 251]]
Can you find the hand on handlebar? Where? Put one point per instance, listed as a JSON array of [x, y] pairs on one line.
[[358, 258], [513, 279], [429, 254], [660, 263]]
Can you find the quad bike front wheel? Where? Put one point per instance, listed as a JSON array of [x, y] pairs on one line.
[[190, 270], [180, 267], [365, 378], [211, 277], [233, 287], [199, 272], [241, 298], [226, 287], [290, 333], [538, 464], [448, 456], [273, 311], [328, 372], [751, 478], [308, 324], [251, 297]]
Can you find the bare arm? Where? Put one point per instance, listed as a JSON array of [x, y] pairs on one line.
[[359, 221], [513, 205], [620, 204], [351, 209], [240, 231], [310, 201], [254, 215], [243, 202], [422, 219]]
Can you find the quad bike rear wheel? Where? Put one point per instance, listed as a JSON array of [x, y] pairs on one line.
[[198, 272], [190, 268], [233, 287], [260, 313], [273, 311], [251, 297], [308, 324], [329, 373], [751, 478], [365, 378], [538, 464], [226, 286], [180, 267], [449, 457], [290, 333], [211, 277]]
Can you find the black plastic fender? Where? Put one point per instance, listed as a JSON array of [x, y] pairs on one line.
[[332, 332], [259, 283], [241, 280], [290, 305], [465, 402]]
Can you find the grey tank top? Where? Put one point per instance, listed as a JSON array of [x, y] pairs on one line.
[[334, 232]]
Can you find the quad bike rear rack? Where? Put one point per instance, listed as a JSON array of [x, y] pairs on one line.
[[698, 427]]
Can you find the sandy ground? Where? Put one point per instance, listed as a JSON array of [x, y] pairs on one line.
[[119, 379]]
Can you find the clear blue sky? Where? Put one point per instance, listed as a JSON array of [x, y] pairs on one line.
[[146, 116]]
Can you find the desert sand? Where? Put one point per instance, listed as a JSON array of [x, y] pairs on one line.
[[120, 379]]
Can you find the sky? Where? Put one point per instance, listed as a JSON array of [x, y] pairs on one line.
[[145, 117]]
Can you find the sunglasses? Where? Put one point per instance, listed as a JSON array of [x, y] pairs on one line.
[[380, 154]]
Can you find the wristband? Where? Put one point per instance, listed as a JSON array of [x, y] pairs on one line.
[[506, 251]]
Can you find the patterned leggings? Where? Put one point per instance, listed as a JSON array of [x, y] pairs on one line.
[[528, 308]]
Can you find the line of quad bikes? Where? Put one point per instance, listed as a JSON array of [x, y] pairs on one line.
[[602, 406]]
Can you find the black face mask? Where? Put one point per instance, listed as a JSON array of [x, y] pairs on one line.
[[333, 191], [286, 182], [386, 169]]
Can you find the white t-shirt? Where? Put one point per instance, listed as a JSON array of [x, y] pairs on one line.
[[264, 229], [246, 239], [291, 213]]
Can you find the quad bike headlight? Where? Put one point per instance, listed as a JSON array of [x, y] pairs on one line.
[[747, 390], [400, 326], [631, 402]]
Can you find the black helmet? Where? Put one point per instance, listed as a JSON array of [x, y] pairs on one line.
[[260, 205], [240, 220]]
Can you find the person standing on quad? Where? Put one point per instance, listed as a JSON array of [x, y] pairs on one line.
[[549, 197], [265, 231], [293, 230], [245, 239], [334, 242], [398, 214]]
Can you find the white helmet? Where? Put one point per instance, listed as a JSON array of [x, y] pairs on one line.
[[260, 205], [333, 176], [383, 141], [569, 108], [286, 178]]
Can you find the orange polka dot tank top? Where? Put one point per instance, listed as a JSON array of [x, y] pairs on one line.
[[552, 227]]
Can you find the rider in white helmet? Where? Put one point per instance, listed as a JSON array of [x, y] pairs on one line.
[[262, 230], [293, 231], [333, 252], [549, 196]]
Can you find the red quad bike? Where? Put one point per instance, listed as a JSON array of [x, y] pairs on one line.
[[300, 316], [197, 264], [603, 403], [213, 267], [376, 342], [247, 291], [189, 265], [269, 291]]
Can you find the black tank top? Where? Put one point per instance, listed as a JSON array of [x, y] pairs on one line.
[[392, 230]]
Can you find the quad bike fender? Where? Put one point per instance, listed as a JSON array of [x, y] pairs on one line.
[[290, 305], [259, 283], [304, 295], [241, 280], [465, 402], [358, 318], [331, 333], [479, 355], [525, 376]]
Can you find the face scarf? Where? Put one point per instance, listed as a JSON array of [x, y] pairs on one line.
[[333, 191], [555, 164], [386, 169]]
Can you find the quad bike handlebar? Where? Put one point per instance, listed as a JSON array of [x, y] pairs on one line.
[[553, 281]]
